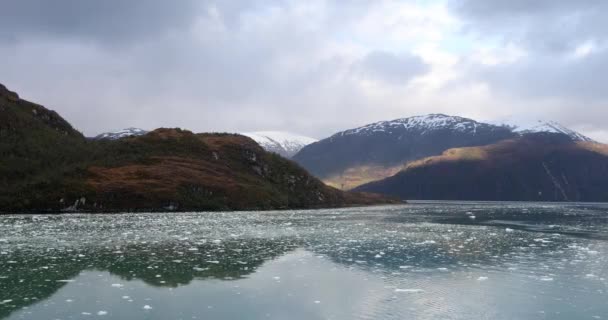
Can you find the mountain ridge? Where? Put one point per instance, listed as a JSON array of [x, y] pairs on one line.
[[533, 167], [48, 166], [378, 150], [284, 143]]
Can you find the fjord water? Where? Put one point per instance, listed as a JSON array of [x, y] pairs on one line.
[[419, 261]]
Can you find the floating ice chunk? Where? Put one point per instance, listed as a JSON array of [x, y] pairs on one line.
[[213, 262], [509, 230], [409, 290], [69, 300], [217, 241], [317, 302], [126, 297], [102, 313], [86, 313], [472, 217], [277, 278], [117, 285], [442, 269], [482, 278], [6, 301], [546, 278], [66, 281], [147, 307]]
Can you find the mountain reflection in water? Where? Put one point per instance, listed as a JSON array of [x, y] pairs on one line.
[[423, 261]]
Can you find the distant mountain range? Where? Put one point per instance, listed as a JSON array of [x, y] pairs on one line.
[[379, 150], [48, 166], [284, 143], [115, 135]]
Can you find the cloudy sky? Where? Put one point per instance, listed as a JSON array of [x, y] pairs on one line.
[[312, 67]]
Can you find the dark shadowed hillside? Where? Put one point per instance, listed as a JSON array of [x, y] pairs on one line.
[[535, 167]]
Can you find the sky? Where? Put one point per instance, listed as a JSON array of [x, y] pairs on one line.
[[311, 67]]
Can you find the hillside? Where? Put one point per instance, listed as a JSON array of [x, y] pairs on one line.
[[46, 165], [534, 167], [353, 157]]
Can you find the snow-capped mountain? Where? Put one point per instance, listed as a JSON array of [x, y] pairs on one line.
[[284, 143], [540, 126], [421, 124], [115, 135], [387, 144], [379, 149]]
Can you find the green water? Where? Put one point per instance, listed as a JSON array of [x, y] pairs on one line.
[[421, 261]]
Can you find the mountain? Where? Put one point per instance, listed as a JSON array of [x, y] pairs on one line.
[[115, 135], [375, 151], [47, 166], [539, 126], [533, 167], [283, 143]]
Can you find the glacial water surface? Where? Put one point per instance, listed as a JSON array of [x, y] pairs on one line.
[[418, 261]]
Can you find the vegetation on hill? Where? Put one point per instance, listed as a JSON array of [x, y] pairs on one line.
[[46, 165]]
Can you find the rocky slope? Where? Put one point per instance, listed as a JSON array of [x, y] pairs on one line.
[[284, 143], [46, 165], [533, 167]]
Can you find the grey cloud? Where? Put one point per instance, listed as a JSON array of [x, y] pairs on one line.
[[549, 80], [107, 20], [392, 68], [242, 68], [554, 26]]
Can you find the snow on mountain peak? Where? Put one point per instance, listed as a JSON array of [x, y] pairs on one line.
[[284, 143], [428, 122], [115, 135], [550, 127]]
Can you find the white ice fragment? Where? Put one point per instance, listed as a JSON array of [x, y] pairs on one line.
[[6, 301], [126, 297], [86, 313], [509, 230], [147, 307], [409, 290], [472, 217], [546, 278], [69, 300], [277, 278], [65, 281], [117, 285], [317, 302], [213, 262], [482, 278], [102, 313]]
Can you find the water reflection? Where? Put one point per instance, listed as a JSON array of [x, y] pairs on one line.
[[420, 262]]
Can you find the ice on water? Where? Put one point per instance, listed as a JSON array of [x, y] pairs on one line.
[[392, 260]]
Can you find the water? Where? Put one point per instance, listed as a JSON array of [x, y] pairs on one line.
[[420, 261]]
